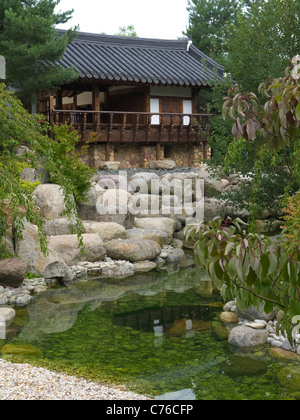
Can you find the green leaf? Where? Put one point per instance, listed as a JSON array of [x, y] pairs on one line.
[[252, 277], [268, 307], [229, 247], [297, 111], [294, 308], [273, 263], [264, 265]]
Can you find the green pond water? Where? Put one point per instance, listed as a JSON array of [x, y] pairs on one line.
[[158, 333]]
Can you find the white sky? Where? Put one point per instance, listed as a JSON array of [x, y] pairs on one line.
[[165, 19]]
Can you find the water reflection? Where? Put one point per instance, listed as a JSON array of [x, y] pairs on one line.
[[57, 310]]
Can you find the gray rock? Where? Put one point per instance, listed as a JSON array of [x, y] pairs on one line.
[[110, 166], [93, 210], [144, 266], [35, 175], [213, 208], [243, 336], [133, 250], [22, 300], [56, 269], [254, 313], [8, 314], [12, 272], [28, 248], [68, 248], [107, 231], [50, 199], [166, 164], [145, 204], [145, 183], [118, 271], [8, 242], [164, 224], [148, 234], [113, 181], [57, 227], [175, 256]]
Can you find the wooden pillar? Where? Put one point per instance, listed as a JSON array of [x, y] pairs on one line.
[[59, 104], [96, 103], [158, 151], [51, 108]]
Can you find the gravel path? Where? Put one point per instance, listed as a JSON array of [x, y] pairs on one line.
[[24, 382]]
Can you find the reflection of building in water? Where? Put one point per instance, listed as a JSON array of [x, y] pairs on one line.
[[169, 321]]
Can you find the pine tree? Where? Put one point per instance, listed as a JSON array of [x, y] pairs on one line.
[[29, 41], [263, 40], [207, 23]]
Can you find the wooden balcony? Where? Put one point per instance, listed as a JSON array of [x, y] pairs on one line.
[[136, 127]]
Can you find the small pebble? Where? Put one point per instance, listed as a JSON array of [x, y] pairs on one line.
[[25, 382]]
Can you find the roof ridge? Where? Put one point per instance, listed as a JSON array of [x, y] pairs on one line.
[[129, 41]]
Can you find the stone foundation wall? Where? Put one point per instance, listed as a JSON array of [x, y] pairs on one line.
[[139, 156]]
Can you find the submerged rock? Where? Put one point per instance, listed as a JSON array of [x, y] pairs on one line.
[[289, 377], [243, 366], [21, 349]]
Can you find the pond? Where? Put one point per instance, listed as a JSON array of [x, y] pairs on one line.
[[158, 333]]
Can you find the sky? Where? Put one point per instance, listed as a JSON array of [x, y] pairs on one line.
[[164, 19]]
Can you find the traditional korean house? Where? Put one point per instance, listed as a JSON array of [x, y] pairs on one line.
[[137, 99]]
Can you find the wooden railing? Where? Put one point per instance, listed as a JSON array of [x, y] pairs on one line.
[[136, 127]]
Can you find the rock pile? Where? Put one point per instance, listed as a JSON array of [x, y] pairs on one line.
[[255, 328]]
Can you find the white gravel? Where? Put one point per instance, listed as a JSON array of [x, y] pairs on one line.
[[25, 382]]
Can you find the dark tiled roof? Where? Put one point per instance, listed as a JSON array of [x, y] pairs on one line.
[[140, 60]]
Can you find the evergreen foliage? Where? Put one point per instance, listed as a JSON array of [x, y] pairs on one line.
[[207, 25], [29, 41]]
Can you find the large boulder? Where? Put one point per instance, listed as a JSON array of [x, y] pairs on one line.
[[114, 197], [57, 227], [133, 250], [50, 200], [213, 208], [93, 210], [162, 224], [7, 241], [148, 204], [12, 272], [243, 336], [34, 176], [145, 183], [107, 231], [148, 234], [9, 213], [57, 269], [68, 248], [113, 182], [28, 249]]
